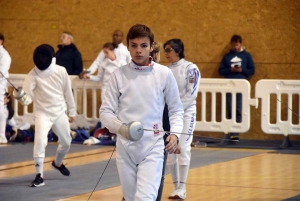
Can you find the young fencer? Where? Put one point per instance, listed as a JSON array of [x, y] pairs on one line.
[[137, 92], [49, 86], [110, 63], [187, 76], [5, 62]]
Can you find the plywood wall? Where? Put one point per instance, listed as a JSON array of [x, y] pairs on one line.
[[270, 30]]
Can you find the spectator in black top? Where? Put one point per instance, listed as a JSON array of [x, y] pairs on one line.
[[68, 55]]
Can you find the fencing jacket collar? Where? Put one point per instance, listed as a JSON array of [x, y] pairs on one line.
[[148, 68], [177, 62]]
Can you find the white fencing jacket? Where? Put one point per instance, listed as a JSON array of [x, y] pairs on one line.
[[106, 67], [121, 52], [139, 93], [188, 77], [50, 90], [5, 62]]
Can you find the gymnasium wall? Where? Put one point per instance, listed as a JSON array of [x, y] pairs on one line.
[[270, 31]]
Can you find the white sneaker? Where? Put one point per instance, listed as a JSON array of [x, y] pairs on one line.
[[180, 193], [172, 195], [3, 140]]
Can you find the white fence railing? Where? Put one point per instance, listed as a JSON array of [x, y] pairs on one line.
[[85, 101], [223, 86], [87, 97], [263, 90]]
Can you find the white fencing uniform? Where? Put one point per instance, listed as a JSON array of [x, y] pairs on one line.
[[187, 77], [139, 93], [50, 90], [105, 69], [5, 62], [121, 52]]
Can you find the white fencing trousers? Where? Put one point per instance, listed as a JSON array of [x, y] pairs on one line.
[[140, 182], [3, 110], [60, 127], [185, 141]]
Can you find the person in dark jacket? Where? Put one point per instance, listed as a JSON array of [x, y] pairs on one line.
[[68, 55], [236, 64]]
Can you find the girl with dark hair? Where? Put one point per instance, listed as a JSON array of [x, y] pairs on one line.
[[5, 61], [106, 67], [187, 77]]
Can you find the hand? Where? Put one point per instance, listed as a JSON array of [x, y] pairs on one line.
[[84, 75], [236, 69], [172, 143], [71, 119], [177, 150]]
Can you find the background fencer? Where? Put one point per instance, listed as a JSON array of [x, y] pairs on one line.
[[111, 62], [187, 76], [5, 62], [120, 51], [138, 92], [49, 86]]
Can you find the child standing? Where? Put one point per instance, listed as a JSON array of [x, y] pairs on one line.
[[5, 61], [49, 86], [187, 77], [138, 92]]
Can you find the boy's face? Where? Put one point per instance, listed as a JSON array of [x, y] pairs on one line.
[[140, 49], [236, 46]]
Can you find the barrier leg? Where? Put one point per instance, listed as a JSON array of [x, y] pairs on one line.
[[285, 143], [225, 140]]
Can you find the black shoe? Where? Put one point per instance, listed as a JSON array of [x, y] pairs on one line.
[[38, 181], [63, 170]]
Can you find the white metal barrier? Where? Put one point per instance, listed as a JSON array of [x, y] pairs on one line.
[[223, 86], [263, 90]]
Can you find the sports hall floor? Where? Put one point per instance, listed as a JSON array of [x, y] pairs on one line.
[[216, 173]]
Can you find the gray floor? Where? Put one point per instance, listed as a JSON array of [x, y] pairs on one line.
[[83, 178], [23, 151]]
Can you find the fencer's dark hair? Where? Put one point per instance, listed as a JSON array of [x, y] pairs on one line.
[[11, 111], [140, 30], [2, 38], [236, 39], [177, 46], [110, 46]]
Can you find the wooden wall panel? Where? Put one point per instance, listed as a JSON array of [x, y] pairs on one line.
[[270, 31], [22, 37]]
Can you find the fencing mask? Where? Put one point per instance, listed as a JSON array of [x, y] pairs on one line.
[[42, 56]]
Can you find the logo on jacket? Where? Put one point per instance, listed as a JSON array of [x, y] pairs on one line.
[[155, 129]]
